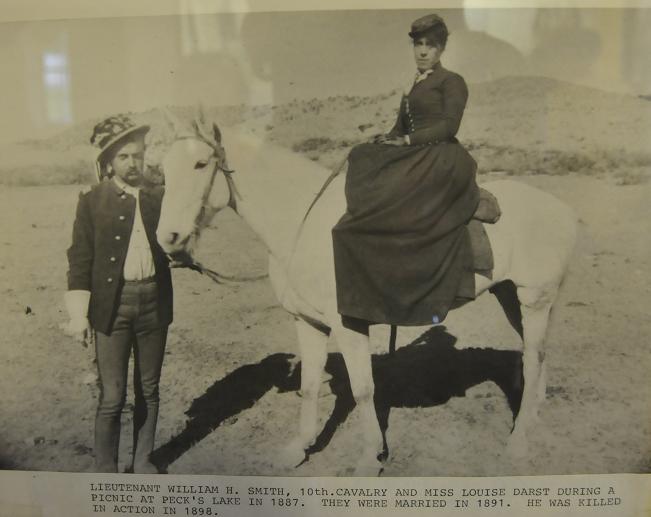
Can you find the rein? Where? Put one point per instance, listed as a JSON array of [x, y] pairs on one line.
[[326, 184], [220, 278], [321, 191]]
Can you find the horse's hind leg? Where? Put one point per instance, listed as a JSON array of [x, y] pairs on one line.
[[354, 347], [535, 305], [312, 345]]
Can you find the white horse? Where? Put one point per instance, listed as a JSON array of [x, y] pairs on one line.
[[272, 188]]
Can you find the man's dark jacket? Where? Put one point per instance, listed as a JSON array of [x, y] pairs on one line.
[[100, 239]]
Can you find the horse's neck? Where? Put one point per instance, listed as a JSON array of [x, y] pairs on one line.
[[276, 189]]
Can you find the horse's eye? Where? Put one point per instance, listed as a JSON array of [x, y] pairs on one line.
[[200, 165]]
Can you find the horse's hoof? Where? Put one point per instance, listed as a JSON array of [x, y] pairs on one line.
[[291, 456]]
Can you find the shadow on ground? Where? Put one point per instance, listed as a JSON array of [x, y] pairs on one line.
[[425, 373]]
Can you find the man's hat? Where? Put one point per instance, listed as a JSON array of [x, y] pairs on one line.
[[424, 24], [110, 131]]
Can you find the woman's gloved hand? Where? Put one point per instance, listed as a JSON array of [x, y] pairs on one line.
[[389, 140]]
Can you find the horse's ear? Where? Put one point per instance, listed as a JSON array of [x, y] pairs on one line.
[[196, 126], [216, 133], [202, 126]]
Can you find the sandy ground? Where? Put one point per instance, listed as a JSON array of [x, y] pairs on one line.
[[229, 397]]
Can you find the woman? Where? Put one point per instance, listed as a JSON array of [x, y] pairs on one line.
[[402, 252]]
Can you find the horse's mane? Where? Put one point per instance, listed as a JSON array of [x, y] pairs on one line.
[[247, 145]]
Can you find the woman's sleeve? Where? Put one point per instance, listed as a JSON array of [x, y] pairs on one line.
[[455, 96], [80, 252]]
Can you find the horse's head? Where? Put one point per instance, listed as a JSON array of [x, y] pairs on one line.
[[197, 185]]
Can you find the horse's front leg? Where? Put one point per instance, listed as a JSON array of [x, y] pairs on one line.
[[312, 345], [536, 307], [354, 347]]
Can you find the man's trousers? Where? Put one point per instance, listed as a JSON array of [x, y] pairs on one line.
[[136, 328]]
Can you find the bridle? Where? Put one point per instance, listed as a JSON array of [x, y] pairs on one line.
[[221, 165]]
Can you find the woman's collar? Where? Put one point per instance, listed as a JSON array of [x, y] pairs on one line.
[[421, 76]]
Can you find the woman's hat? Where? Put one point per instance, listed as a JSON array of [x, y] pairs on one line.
[[424, 24], [112, 130]]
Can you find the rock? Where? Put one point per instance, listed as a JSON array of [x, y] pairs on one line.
[[81, 450], [34, 440]]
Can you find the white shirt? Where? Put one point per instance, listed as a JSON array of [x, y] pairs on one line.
[[139, 262]]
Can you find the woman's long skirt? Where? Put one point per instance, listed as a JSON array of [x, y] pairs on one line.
[[402, 252]]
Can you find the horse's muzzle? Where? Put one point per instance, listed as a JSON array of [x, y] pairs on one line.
[[171, 242]]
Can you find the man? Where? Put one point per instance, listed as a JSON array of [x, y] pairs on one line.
[[119, 287]]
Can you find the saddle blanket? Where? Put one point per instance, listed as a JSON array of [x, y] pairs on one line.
[[488, 211], [481, 249]]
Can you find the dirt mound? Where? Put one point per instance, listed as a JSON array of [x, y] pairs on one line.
[[513, 124]]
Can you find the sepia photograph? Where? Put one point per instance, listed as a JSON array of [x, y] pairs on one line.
[[406, 242]]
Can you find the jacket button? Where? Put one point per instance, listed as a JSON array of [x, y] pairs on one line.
[[117, 237], [121, 218], [109, 280], [123, 196], [112, 259]]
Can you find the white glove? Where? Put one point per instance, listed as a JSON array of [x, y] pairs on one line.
[[78, 327]]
